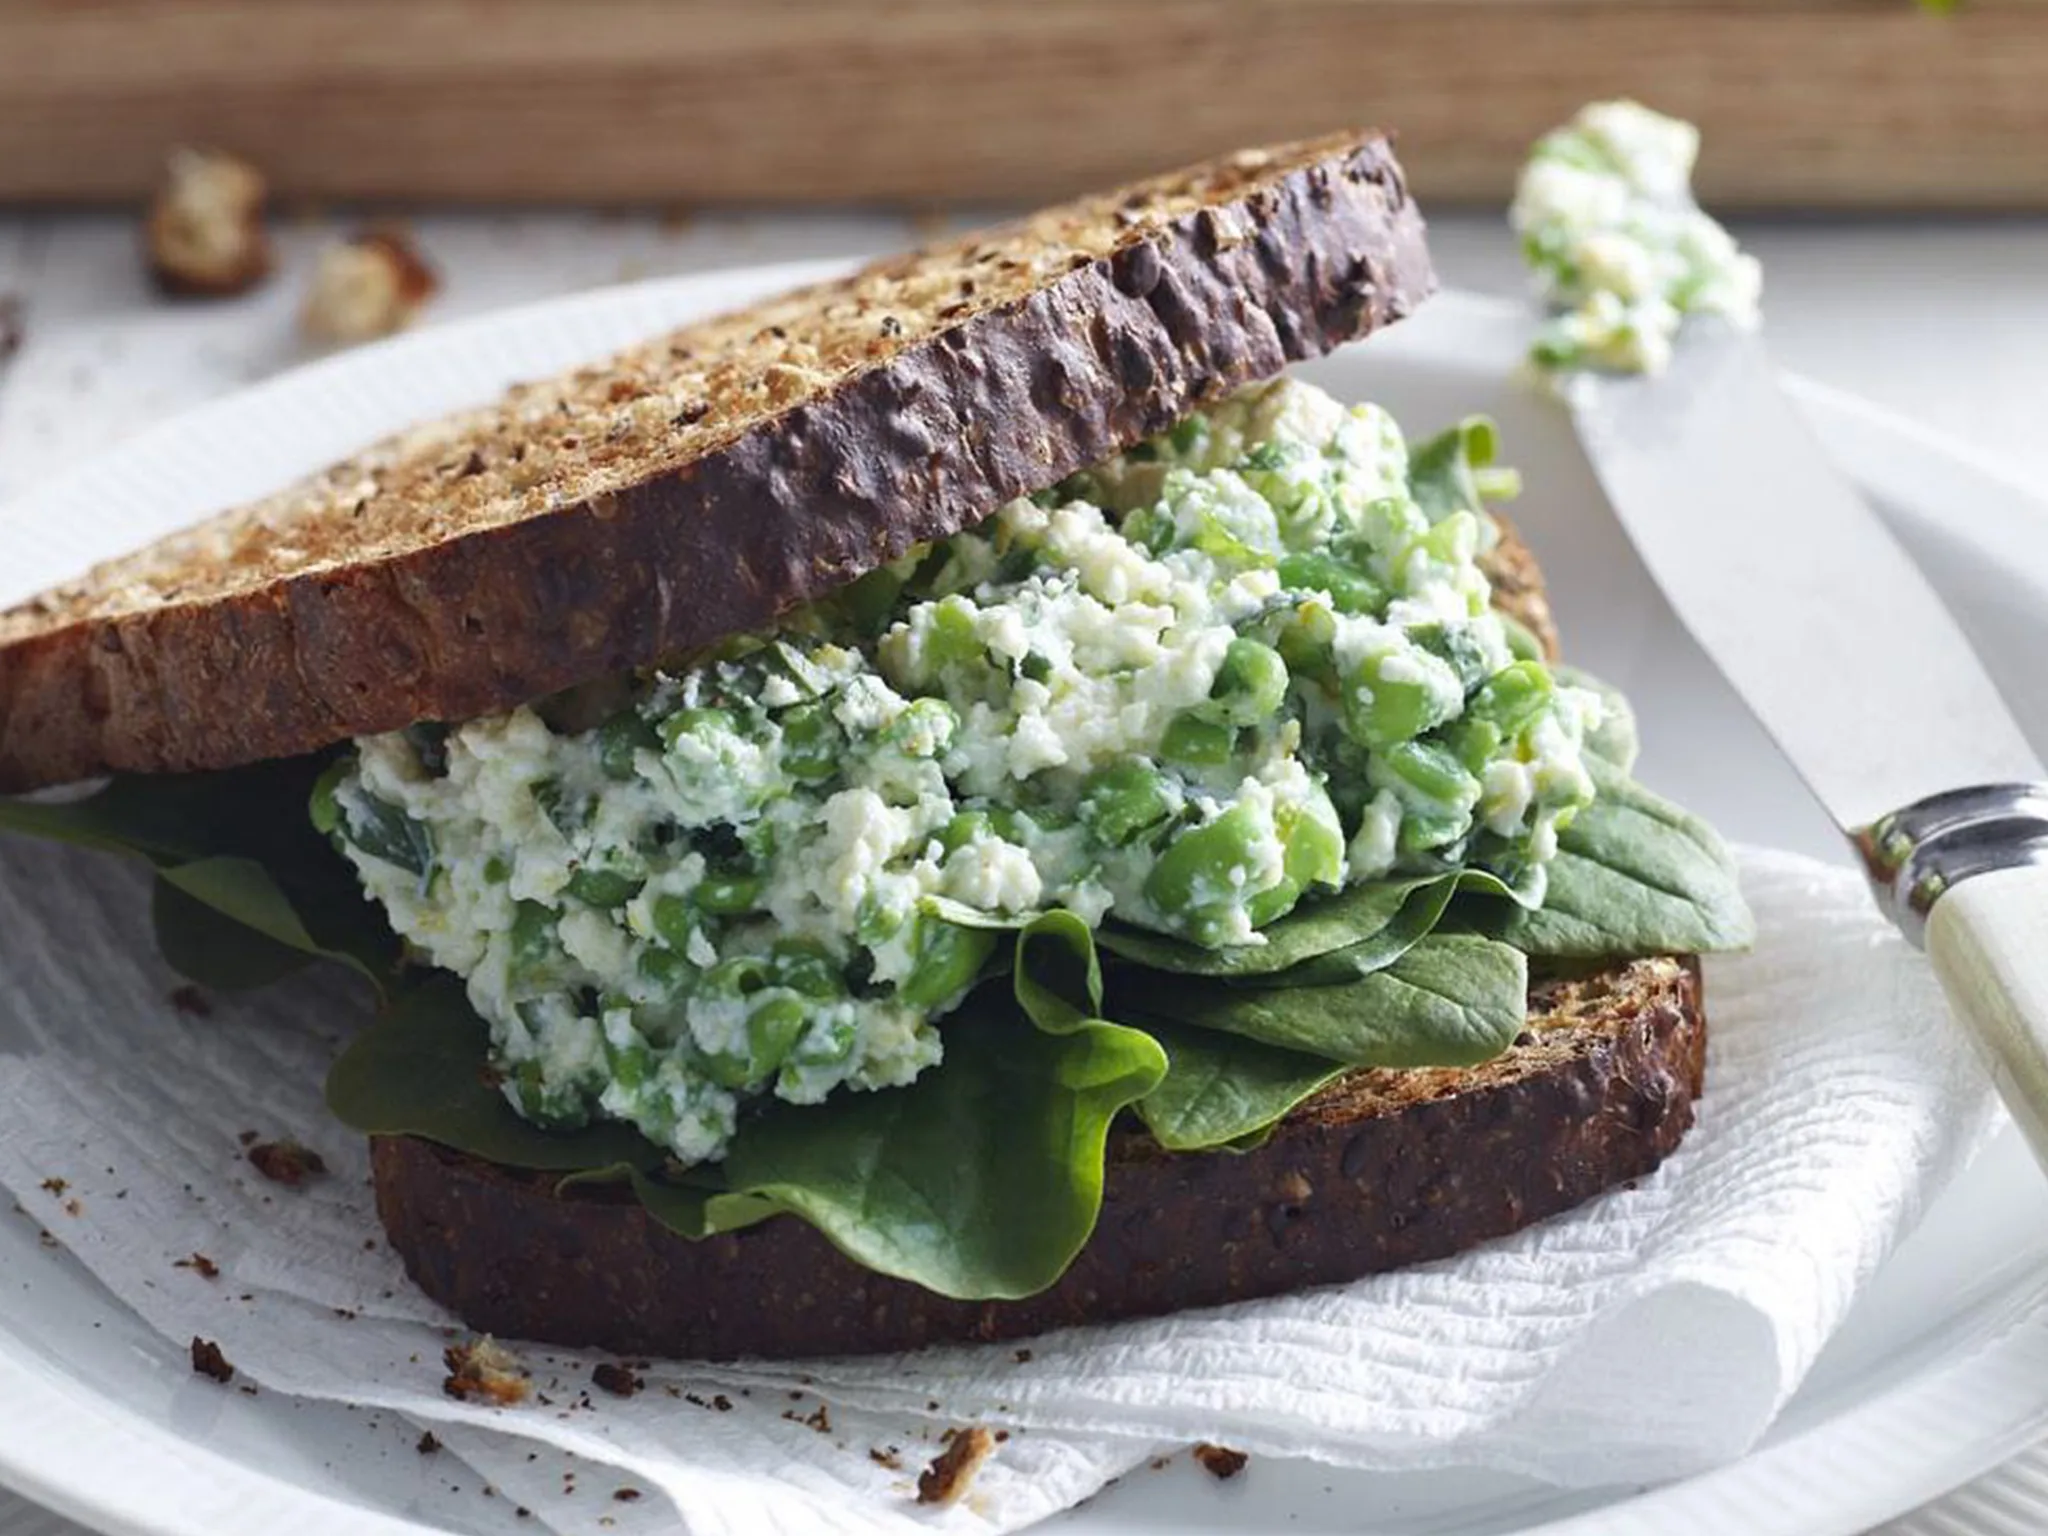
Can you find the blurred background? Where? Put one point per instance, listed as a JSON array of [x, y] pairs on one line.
[[196, 193]]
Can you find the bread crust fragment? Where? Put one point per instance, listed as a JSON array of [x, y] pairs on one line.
[[704, 484], [1380, 1170]]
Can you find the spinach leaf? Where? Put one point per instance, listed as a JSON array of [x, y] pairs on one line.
[[983, 1178], [241, 845], [1634, 875], [1454, 471], [1403, 910], [1224, 1090], [203, 945], [419, 1070], [1452, 1000]]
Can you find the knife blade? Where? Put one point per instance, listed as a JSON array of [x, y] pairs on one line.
[[1823, 624], [1791, 582]]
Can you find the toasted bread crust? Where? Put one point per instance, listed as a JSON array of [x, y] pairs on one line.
[[1380, 1170], [1116, 320]]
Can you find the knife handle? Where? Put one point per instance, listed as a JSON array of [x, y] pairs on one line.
[[1988, 938]]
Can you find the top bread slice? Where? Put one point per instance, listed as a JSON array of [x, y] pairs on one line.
[[704, 483]]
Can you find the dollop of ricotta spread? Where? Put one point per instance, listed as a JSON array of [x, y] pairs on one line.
[[1619, 249]]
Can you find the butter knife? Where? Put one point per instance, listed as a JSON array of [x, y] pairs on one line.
[[1802, 597]]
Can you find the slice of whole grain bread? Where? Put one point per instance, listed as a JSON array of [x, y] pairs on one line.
[[1381, 1169], [705, 482]]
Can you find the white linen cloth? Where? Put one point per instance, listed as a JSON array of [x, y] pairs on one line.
[[1649, 1334]]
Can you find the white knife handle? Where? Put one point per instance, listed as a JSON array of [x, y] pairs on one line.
[[1988, 938]]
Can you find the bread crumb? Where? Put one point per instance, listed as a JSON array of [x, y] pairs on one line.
[[204, 236], [484, 1371], [1023, 1357], [13, 325], [615, 1379], [56, 1186], [208, 1361], [946, 1481], [428, 1444], [201, 1265], [626, 1495], [888, 1457], [367, 286], [1219, 1461], [286, 1162]]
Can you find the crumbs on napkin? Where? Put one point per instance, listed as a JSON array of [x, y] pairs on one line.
[[615, 1378], [953, 1470], [208, 1361], [484, 1371], [286, 1162], [1220, 1461]]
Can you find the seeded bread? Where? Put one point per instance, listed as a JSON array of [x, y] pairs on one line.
[[706, 482], [1381, 1169]]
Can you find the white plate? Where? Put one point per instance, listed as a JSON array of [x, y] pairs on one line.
[[1941, 1371]]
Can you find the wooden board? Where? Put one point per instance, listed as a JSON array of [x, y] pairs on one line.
[[1829, 103]]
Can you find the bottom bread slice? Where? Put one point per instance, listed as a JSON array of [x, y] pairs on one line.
[[1381, 1169]]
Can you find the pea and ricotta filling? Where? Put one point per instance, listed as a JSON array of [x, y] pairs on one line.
[[1241, 667], [1619, 248]]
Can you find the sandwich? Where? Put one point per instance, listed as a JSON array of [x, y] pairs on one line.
[[953, 802]]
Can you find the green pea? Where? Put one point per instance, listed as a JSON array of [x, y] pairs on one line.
[[1307, 654], [1514, 697], [1313, 854], [1124, 801], [1424, 832], [1350, 590], [605, 889], [620, 740], [728, 895], [552, 1108], [630, 1064], [951, 636], [1250, 684], [925, 728], [1196, 742], [812, 743], [696, 722], [1197, 880], [807, 967], [1476, 743], [948, 960], [772, 1032], [740, 976], [965, 827], [1426, 776], [666, 971], [322, 807], [1380, 710], [875, 922]]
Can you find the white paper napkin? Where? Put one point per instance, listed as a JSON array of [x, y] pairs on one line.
[[1647, 1335]]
